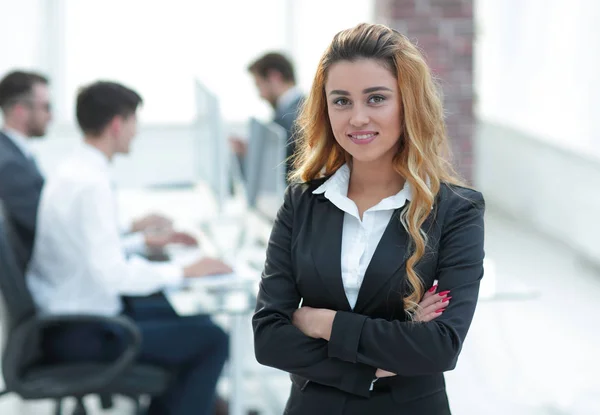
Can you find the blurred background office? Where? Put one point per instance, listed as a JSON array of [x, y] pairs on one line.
[[521, 89]]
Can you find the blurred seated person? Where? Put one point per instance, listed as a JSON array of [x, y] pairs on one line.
[[26, 109], [25, 105], [79, 266], [275, 80]]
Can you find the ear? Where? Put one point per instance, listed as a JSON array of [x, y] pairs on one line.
[[19, 109], [115, 125]]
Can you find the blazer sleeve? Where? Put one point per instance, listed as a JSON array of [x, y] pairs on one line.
[[279, 344], [412, 348]]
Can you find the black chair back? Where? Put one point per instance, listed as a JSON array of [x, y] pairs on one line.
[[16, 303]]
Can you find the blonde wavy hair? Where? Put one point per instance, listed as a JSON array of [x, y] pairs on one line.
[[423, 157]]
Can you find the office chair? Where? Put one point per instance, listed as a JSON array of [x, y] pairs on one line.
[[23, 366]]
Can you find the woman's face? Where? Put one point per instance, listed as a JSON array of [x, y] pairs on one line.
[[363, 103]]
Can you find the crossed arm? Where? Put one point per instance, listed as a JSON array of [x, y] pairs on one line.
[[343, 349]]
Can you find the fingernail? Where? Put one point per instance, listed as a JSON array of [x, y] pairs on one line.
[[440, 310], [432, 289], [445, 300], [443, 293]]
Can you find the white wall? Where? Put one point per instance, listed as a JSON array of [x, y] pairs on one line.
[[537, 69], [538, 142], [20, 28], [160, 47], [160, 53], [546, 187]]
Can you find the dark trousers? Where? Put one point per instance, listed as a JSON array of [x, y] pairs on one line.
[[193, 348]]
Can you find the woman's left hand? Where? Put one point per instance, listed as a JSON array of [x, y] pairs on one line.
[[314, 322]]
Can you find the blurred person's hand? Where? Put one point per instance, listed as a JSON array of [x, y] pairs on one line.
[[431, 307], [206, 266], [184, 238], [152, 221], [159, 239], [238, 145]]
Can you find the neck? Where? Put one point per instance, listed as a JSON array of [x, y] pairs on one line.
[[102, 144], [375, 178], [11, 125]]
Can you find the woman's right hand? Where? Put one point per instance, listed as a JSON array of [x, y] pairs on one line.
[[431, 307]]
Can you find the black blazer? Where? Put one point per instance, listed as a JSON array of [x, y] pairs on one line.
[[286, 117], [303, 265], [20, 189]]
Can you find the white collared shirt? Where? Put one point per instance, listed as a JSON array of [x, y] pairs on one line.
[[359, 238], [78, 264], [19, 140]]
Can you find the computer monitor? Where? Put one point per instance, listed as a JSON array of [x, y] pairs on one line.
[[265, 167], [213, 152]]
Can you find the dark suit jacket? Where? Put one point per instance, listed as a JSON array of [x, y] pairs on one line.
[[286, 117], [20, 188], [304, 265]]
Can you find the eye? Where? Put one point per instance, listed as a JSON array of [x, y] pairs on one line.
[[376, 99], [341, 102]]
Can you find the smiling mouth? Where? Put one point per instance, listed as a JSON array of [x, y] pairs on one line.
[[362, 136]]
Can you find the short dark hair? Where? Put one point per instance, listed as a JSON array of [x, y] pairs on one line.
[[16, 85], [273, 61], [100, 102]]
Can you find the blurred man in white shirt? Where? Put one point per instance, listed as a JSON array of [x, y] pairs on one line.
[[80, 266]]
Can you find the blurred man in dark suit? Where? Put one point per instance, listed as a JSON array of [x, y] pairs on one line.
[[275, 80], [25, 104]]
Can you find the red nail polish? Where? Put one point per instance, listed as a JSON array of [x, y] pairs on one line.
[[443, 293], [440, 310], [445, 300], [432, 289]]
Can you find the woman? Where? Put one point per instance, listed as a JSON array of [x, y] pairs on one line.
[[376, 216]]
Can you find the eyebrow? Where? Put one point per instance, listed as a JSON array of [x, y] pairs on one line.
[[365, 91]]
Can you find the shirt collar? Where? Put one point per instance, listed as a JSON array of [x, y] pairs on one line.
[[19, 140], [93, 157], [288, 97], [336, 190]]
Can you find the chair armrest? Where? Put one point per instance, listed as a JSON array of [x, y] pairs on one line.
[[96, 383]]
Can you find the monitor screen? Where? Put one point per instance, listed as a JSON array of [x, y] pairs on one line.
[[265, 167], [212, 147]]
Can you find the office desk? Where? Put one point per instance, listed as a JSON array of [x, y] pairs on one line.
[[195, 210]]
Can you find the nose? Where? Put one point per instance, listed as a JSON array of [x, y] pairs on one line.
[[359, 116]]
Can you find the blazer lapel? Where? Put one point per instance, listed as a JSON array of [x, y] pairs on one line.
[[18, 153], [326, 250], [391, 254]]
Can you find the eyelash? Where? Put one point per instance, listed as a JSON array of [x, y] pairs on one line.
[[380, 99]]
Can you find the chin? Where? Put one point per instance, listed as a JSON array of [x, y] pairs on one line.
[[367, 156], [37, 134]]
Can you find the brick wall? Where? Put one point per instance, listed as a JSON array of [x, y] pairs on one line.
[[443, 29]]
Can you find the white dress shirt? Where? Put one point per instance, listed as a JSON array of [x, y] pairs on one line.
[[78, 263], [359, 238], [132, 242]]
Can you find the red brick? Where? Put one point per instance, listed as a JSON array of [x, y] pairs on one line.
[[423, 26], [463, 27], [403, 9], [444, 31]]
